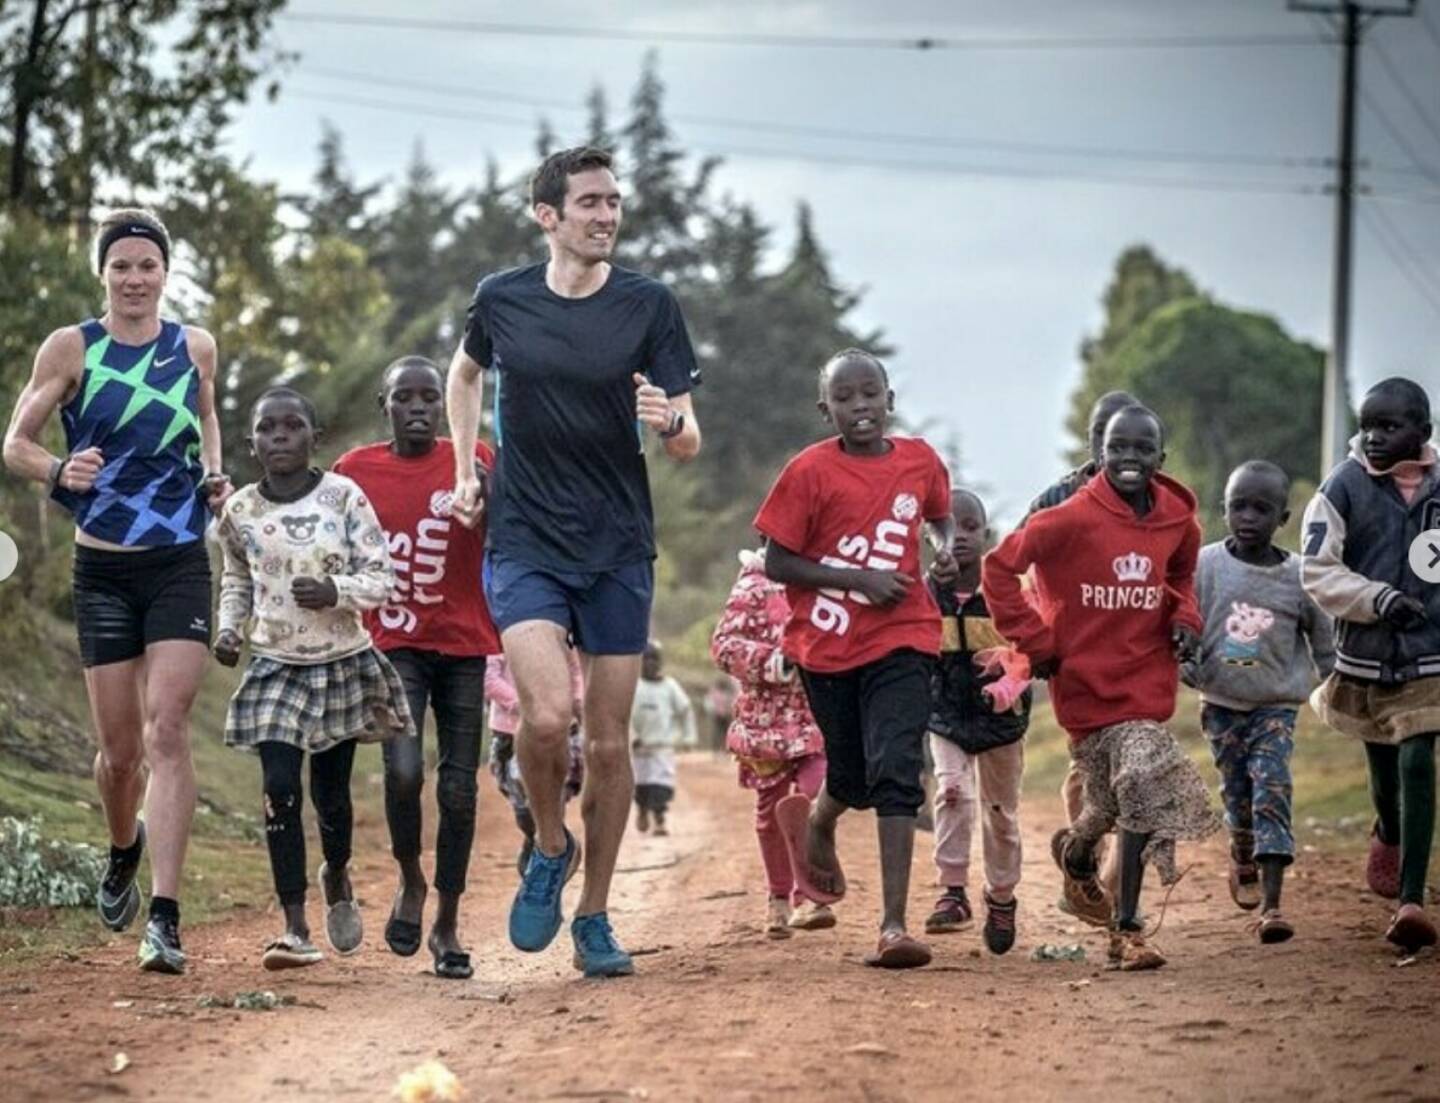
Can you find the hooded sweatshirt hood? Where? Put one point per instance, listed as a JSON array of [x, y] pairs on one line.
[[1408, 474]]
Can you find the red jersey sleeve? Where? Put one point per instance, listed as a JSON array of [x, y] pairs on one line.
[[786, 514], [1180, 581], [937, 502], [1013, 615]]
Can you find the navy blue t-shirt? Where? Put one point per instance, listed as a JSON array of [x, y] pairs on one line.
[[570, 491]]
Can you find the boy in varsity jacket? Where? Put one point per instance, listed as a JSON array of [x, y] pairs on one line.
[[1363, 537]]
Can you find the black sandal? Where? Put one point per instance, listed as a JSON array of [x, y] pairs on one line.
[[452, 964], [402, 935]]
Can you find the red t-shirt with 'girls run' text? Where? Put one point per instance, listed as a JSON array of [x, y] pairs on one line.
[[853, 511], [438, 603]]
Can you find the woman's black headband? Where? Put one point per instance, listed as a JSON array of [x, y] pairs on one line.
[[131, 229]]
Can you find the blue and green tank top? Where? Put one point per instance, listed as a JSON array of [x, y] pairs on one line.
[[139, 404]]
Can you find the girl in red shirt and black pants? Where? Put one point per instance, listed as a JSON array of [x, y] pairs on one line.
[[436, 631], [843, 523]]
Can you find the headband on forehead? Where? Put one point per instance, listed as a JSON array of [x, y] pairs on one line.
[[131, 229]]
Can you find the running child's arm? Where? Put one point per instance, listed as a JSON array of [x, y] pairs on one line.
[[1319, 631], [941, 533], [685, 713], [237, 593], [1014, 617], [882, 588], [1339, 591], [370, 577], [1185, 620], [735, 648]]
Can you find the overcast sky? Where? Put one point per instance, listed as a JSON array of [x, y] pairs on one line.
[[983, 266]]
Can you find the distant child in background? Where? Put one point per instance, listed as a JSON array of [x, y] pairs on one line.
[[1263, 644], [661, 720], [505, 767], [719, 708], [304, 556], [1359, 566], [436, 631], [779, 749], [978, 717], [844, 523], [1114, 612]]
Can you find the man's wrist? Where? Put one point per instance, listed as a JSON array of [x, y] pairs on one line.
[[57, 469], [676, 426]]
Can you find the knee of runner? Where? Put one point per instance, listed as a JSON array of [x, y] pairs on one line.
[[404, 779], [123, 759], [167, 736], [549, 724], [606, 756], [282, 802], [455, 790]]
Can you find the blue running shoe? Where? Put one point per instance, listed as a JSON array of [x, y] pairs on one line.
[[597, 954], [118, 897], [535, 914]]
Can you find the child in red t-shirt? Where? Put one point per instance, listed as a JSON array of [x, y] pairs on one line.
[[1114, 612], [843, 523], [436, 632]]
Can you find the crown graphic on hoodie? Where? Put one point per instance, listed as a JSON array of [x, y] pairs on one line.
[[1133, 567]]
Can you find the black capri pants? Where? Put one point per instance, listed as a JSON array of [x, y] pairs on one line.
[[873, 719]]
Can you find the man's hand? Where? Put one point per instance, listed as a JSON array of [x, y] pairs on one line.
[[217, 488], [1406, 613], [778, 670], [652, 405], [883, 588], [227, 647], [468, 505], [314, 593], [1184, 643], [944, 569], [81, 470], [1045, 669]]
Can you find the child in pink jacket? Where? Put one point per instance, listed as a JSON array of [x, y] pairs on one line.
[[772, 735]]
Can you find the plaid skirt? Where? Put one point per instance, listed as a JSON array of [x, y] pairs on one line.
[[314, 706], [1137, 778]]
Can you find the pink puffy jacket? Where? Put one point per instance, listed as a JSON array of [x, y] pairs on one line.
[[772, 723]]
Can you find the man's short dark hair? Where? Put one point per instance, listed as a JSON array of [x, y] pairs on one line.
[[282, 391], [1417, 402], [859, 355], [1266, 470], [553, 176], [395, 367]]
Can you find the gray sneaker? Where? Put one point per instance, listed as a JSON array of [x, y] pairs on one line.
[[344, 929], [160, 950], [118, 899]]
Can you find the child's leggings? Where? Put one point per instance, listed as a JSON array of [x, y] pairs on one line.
[[1252, 752], [996, 791], [284, 833], [1402, 785], [806, 776]]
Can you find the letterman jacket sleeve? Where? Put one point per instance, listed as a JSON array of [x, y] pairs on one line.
[[1013, 615], [1339, 591]]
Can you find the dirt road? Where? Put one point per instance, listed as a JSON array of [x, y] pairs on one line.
[[718, 1012]]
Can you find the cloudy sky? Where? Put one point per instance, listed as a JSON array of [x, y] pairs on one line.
[[979, 195]]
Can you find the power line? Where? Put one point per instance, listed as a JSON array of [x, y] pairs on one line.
[[1405, 90], [913, 165], [885, 137], [1406, 262], [863, 42]]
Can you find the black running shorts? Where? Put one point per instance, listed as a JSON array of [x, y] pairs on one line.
[[125, 601]]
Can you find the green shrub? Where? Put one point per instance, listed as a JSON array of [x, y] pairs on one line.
[[36, 872]]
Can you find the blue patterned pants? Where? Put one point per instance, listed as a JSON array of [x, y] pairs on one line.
[[1252, 752]]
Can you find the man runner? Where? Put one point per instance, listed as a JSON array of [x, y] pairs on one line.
[[585, 353]]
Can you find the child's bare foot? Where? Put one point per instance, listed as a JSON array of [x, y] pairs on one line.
[[811, 849]]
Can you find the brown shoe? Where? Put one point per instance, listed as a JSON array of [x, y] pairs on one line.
[[1244, 884], [1088, 900], [810, 916], [1411, 928], [1274, 927], [1131, 952], [897, 950]]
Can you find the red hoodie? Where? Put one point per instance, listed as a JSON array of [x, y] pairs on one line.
[[1108, 589]]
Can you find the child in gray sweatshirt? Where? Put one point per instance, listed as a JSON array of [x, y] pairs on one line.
[[1264, 647]]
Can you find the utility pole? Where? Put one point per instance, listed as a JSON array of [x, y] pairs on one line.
[[1350, 20]]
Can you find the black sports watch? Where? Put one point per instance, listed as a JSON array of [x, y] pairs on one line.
[[676, 426]]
